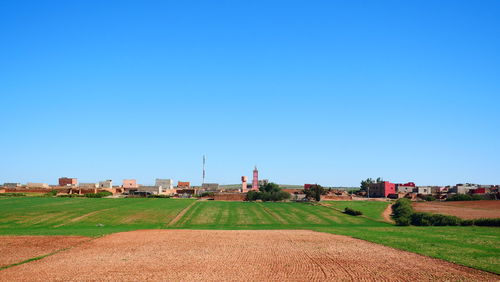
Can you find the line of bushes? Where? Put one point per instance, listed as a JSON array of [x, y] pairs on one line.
[[52, 193], [207, 194], [430, 219], [481, 222], [159, 196], [269, 192], [101, 194], [402, 211], [404, 215], [465, 197], [273, 196], [12, 195], [429, 198], [352, 211], [70, 196]]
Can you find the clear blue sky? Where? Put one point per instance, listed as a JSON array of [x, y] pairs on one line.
[[327, 92]]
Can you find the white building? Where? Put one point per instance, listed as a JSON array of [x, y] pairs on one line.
[[7, 184], [424, 190], [210, 187], [37, 185], [106, 184], [156, 190], [463, 188], [166, 184]]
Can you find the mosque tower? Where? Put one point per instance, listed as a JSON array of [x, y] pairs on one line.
[[255, 180]]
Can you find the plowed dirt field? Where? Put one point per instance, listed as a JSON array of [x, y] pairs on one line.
[[462, 209], [15, 249], [270, 255]]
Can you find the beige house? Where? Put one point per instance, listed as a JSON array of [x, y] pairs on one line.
[[37, 185]]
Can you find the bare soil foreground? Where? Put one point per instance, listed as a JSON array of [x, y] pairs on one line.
[[462, 209], [250, 255], [15, 249]]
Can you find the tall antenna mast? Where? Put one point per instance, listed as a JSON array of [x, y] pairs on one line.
[[203, 179]]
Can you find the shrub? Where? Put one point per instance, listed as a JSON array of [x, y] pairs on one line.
[[274, 196], [12, 195], [403, 214], [253, 196], [52, 193], [467, 222], [159, 196], [98, 194], [429, 198], [429, 219], [207, 194], [268, 193], [70, 196], [465, 197], [352, 211], [487, 222], [402, 211]]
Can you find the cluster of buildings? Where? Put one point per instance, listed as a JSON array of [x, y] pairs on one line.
[[381, 189], [386, 189], [131, 187], [128, 186]]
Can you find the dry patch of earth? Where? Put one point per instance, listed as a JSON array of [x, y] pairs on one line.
[[15, 249], [462, 209], [242, 255]]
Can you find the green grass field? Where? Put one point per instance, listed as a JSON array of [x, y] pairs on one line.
[[244, 215], [476, 247], [81, 216], [370, 209]]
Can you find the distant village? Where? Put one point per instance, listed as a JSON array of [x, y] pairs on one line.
[[386, 189], [184, 189]]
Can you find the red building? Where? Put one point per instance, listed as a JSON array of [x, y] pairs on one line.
[[478, 191], [307, 186], [65, 181], [382, 189]]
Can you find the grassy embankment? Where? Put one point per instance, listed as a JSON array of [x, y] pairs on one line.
[[476, 247]]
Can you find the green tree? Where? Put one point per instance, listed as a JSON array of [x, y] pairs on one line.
[[270, 187], [268, 192], [365, 184], [253, 195], [315, 192]]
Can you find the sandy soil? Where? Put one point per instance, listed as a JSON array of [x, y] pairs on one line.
[[249, 255], [462, 209], [15, 249]]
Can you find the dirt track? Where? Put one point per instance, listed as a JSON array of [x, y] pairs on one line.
[[462, 209], [186, 255], [386, 214], [15, 249]]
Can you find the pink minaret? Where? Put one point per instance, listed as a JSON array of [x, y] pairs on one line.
[[255, 181]]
